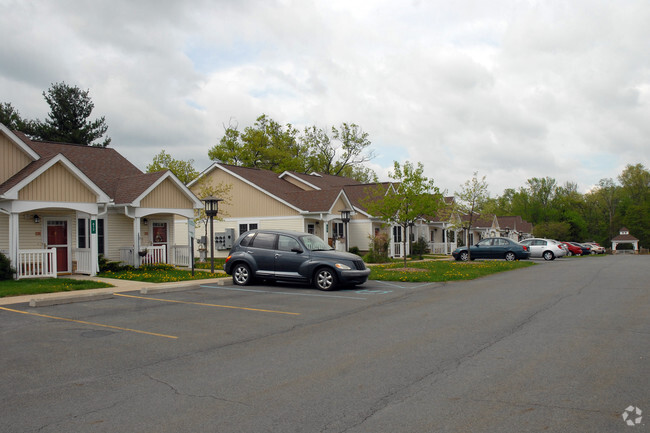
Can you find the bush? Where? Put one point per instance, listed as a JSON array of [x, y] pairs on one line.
[[6, 271], [355, 250], [378, 249], [106, 266], [419, 248]]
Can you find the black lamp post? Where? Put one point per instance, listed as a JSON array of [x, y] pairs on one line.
[[345, 217], [211, 210]]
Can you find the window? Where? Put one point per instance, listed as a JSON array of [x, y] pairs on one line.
[[264, 240], [286, 243], [397, 234], [247, 240], [311, 229], [243, 228], [337, 230], [82, 233], [100, 236]]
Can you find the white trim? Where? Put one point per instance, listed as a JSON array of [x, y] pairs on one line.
[[198, 204], [26, 206], [146, 211], [345, 199], [20, 143], [286, 173], [102, 197]]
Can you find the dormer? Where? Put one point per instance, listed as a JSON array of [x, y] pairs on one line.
[[301, 183]]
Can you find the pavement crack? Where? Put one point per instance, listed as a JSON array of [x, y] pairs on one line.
[[176, 391]]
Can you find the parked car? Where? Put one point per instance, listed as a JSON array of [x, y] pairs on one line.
[[546, 248], [586, 249], [493, 248], [292, 256], [596, 248], [574, 250]]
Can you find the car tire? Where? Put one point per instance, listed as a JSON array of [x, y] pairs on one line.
[[463, 256], [548, 255], [241, 274], [510, 256], [325, 279]]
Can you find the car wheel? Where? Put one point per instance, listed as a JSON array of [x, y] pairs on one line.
[[510, 256], [548, 255], [463, 256], [241, 274], [325, 279]]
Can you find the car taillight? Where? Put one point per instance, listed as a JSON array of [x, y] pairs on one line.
[[525, 248]]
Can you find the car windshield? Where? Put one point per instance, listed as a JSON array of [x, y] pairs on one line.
[[314, 243]]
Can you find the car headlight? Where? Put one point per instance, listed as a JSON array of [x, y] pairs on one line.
[[342, 266]]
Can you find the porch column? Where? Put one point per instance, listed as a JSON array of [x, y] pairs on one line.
[[14, 239], [94, 263], [136, 242]]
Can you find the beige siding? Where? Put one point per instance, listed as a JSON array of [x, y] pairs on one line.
[[245, 201], [359, 232], [167, 195], [12, 159], [296, 224], [57, 184], [118, 233], [4, 232]]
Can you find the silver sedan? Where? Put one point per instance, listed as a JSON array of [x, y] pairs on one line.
[[545, 248]]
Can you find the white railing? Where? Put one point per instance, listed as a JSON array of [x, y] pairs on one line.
[[84, 261], [442, 247], [36, 263], [180, 255], [154, 255]]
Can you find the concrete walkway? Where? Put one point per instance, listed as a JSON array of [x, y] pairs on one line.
[[103, 293]]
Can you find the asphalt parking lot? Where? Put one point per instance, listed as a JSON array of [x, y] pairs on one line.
[[557, 347]]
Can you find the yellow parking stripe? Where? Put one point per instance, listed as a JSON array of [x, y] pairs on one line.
[[207, 305], [89, 323]]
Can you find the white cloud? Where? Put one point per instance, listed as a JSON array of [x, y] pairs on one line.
[[513, 89]]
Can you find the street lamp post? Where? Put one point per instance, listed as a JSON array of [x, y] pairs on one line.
[[211, 210], [345, 217]]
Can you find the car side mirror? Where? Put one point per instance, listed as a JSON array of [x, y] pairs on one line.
[[297, 250]]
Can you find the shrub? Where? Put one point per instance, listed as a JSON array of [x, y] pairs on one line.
[[419, 248], [106, 266], [355, 250], [6, 271], [379, 245]]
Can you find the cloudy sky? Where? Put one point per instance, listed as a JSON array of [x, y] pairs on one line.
[[511, 89]]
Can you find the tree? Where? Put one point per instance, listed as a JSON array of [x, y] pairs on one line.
[[70, 108], [10, 117], [271, 146], [411, 197], [470, 201], [184, 170]]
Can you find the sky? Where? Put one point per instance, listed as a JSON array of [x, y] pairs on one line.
[[505, 88]]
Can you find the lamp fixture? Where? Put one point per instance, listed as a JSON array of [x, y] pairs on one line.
[[37, 219], [145, 221]]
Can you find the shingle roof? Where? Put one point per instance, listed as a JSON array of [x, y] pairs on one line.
[[105, 167]]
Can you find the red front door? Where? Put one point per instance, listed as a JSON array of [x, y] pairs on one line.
[[57, 237]]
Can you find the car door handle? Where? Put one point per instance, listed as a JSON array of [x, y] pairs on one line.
[[249, 252], [277, 255]]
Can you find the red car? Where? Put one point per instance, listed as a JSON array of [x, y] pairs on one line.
[[573, 249]]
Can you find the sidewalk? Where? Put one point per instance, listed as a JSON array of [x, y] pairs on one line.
[[118, 286]]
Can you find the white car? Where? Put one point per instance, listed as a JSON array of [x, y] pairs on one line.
[[545, 248], [595, 248]]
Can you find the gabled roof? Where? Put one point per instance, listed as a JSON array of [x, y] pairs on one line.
[[515, 223], [103, 168]]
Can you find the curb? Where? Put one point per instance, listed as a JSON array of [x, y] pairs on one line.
[[58, 300]]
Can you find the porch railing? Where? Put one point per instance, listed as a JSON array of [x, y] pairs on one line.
[[442, 247], [152, 255], [84, 261], [36, 263], [180, 255]]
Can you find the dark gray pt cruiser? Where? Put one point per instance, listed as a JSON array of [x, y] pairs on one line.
[[292, 256]]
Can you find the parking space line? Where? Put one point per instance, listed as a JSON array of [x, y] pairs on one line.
[[206, 305], [88, 323], [282, 293]]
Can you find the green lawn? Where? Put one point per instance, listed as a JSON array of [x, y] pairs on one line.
[[46, 285], [166, 275], [442, 270]]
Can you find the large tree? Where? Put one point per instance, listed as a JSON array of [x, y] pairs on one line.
[[184, 170], [70, 108], [10, 117], [412, 196], [272, 146]]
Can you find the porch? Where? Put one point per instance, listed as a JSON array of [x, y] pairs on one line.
[[179, 255]]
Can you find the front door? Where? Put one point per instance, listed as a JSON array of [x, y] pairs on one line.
[[57, 237], [160, 236]]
